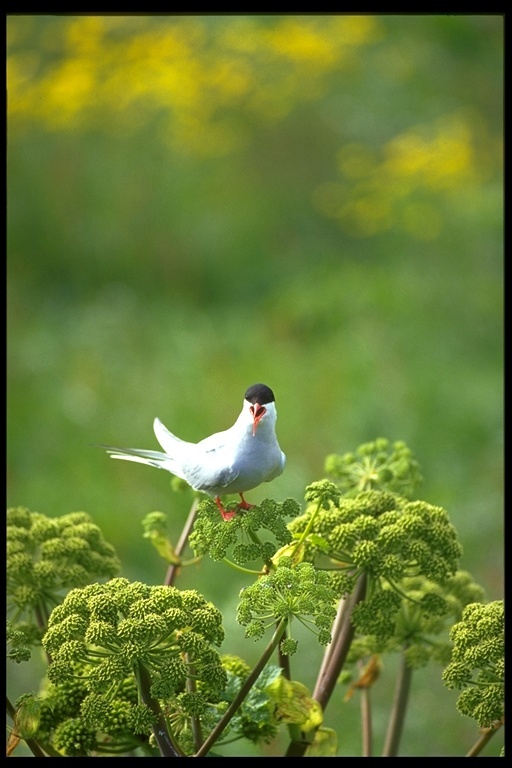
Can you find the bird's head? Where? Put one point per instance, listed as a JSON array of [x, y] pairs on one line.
[[260, 403]]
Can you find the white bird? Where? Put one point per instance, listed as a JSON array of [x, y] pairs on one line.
[[234, 461]]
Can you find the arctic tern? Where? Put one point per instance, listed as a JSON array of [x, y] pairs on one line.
[[233, 461]]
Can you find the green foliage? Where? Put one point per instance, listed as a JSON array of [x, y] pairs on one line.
[[392, 540], [101, 638], [212, 536], [378, 465], [323, 493], [134, 668], [74, 738], [107, 724], [28, 715], [422, 618], [17, 640], [46, 557], [294, 704], [119, 625], [477, 665], [155, 529], [290, 592], [78, 723], [316, 197], [272, 701], [257, 719]]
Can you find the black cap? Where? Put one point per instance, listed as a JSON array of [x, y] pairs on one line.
[[260, 393]]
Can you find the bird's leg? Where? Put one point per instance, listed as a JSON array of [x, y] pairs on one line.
[[225, 514], [244, 504]]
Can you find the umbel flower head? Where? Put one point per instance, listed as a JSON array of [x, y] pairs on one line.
[[211, 534], [422, 622], [77, 723], [387, 538], [290, 592], [376, 466], [477, 666], [118, 626], [48, 556]]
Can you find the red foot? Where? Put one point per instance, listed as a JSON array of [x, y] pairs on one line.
[[244, 504], [230, 515], [225, 514]]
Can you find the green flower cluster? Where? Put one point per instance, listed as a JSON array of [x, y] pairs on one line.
[[377, 465], [213, 536], [75, 722], [290, 591], [118, 625], [386, 537], [421, 624], [48, 556], [477, 665], [17, 641]]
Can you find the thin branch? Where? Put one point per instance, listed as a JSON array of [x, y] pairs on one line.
[[336, 652], [284, 663], [241, 569], [163, 738], [366, 722], [397, 718], [334, 657], [487, 734], [195, 722], [336, 629], [173, 569], [244, 690]]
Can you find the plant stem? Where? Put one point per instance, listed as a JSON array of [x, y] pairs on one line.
[[397, 718], [241, 569], [173, 569], [336, 629], [195, 723], [334, 656], [244, 690], [284, 663], [165, 742], [336, 651], [487, 734], [309, 526], [366, 722]]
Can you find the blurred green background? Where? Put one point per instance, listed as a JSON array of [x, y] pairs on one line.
[[198, 203]]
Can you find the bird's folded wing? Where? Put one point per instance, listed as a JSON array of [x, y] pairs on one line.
[[208, 476], [217, 442]]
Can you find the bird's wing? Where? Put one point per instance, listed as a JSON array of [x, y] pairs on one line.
[[217, 442], [278, 470], [205, 471], [169, 442]]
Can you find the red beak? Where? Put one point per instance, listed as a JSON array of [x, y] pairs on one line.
[[258, 411]]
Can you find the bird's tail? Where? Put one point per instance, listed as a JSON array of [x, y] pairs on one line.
[[151, 458]]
